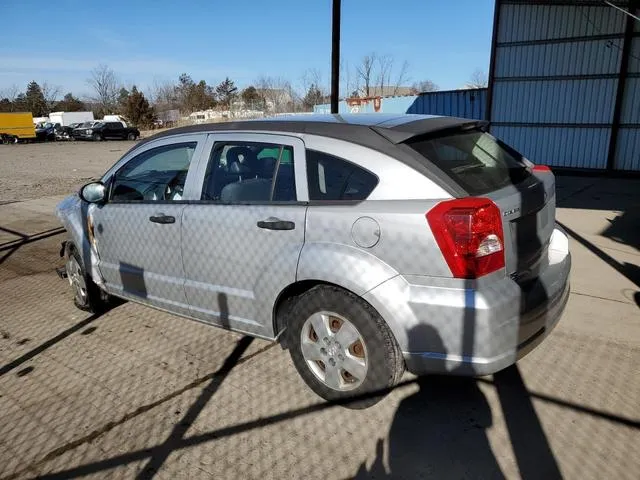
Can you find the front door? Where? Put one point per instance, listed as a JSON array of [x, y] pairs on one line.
[[137, 231], [242, 241]]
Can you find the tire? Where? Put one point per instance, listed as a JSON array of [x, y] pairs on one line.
[[375, 347], [131, 136], [94, 299], [97, 137]]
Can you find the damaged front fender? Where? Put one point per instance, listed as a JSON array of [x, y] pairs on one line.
[[73, 213]]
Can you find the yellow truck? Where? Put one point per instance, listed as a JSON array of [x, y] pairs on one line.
[[16, 127]]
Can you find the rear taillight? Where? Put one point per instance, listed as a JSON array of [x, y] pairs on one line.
[[469, 234]]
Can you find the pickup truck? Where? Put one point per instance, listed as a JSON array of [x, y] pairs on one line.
[[106, 131]]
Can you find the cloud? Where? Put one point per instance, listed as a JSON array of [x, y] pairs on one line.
[[146, 66]]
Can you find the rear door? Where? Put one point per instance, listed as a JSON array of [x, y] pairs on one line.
[[114, 130], [242, 240], [137, 231], [486, 167]]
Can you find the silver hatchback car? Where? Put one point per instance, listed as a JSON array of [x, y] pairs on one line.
[[364, 244]]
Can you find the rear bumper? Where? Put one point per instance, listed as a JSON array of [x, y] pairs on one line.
[[539, 325], [479, 327]]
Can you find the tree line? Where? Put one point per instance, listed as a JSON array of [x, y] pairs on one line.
[[373, 75]]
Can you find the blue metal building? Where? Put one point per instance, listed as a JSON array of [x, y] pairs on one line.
[[457, 103], [564, 82]]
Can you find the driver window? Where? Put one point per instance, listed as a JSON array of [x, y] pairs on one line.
[[158, 174]]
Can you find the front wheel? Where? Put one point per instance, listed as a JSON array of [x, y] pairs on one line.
[[87, 295], [97, 137], [342, 348]]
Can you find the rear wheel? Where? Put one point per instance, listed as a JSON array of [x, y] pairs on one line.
[[87, 295], [342, 348], [131, 136]]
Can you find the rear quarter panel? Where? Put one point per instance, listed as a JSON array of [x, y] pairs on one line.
[[334, 249], [392, 221]]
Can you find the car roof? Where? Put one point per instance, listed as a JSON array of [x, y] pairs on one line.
[[362, 128]]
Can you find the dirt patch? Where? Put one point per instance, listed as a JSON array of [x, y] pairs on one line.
[[42, 169]]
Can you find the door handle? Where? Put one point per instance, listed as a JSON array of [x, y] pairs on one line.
[[162, 219], [273, 223]]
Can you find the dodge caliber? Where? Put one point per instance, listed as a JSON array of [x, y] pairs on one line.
[[366, 245]]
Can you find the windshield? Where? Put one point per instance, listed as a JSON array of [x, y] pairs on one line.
[[86, 124], [476, 160]]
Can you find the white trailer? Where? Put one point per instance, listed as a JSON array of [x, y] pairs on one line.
[[115, 118], [67, 118]]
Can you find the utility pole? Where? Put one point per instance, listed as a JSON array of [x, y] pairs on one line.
[[335, 56]]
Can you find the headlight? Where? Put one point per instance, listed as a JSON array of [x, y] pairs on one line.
[[89, 131]]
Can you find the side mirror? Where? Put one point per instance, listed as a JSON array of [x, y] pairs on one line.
[[94, 192]]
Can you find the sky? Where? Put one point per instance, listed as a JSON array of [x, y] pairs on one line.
[[147, 42]]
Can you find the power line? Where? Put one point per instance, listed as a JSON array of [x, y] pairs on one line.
[[599, 30], [622, 10]]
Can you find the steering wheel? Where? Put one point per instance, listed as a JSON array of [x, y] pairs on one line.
[[175, 188]]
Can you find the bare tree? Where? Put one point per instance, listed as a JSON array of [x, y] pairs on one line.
[[383, 76], [277, 92], [106, 85], [164, 95], [365, 71], [425, 86], [10, 93], [51, 94], [478, 79], [313, 76], [402, 77]]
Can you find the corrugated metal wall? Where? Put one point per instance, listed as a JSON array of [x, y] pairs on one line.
[[554, 83], [627, 154], [456, 103]]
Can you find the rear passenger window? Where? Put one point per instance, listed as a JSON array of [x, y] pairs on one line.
[[240, 172], [332, 178]]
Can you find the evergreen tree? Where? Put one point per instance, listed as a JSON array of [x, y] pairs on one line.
[[226, 92], [35, 101], [137, 109]]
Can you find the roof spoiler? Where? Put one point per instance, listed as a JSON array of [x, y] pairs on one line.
[[406, 131]]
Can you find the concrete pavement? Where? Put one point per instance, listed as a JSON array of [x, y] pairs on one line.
[[140, 393]]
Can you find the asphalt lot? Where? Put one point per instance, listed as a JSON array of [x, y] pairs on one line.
[[140, 393]]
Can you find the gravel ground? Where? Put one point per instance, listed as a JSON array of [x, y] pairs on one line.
[[43, 169]]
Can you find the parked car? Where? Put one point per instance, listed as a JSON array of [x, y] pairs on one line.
[[46, 131], [365, 244], [106, 131], [65, 132]]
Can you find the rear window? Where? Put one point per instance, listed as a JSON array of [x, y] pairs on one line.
[[334, 179], [475, 160]]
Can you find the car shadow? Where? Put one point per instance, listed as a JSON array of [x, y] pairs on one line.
[[440, 431]]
